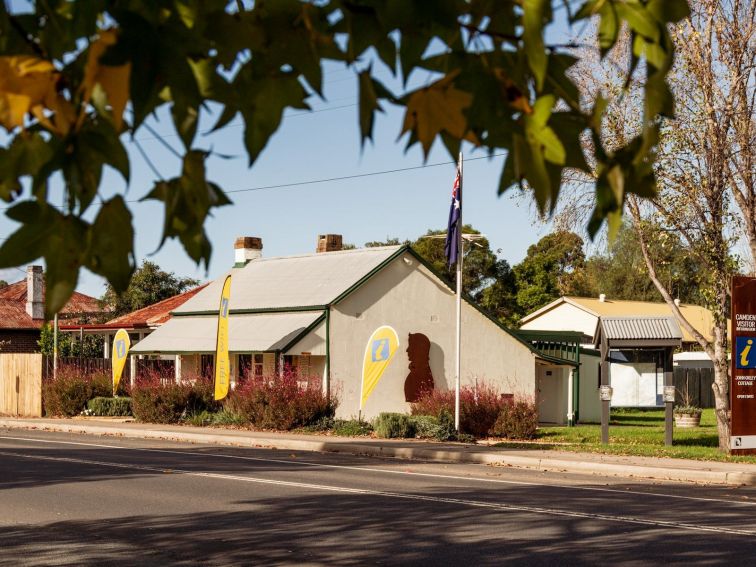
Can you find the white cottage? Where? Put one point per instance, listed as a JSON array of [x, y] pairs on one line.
[[315, 312]]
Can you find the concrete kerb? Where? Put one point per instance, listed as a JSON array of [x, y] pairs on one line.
[[493, 458]]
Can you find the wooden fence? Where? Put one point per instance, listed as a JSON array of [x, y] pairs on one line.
[[21, 384], [697, 383]]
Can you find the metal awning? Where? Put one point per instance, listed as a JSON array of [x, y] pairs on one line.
[[262, 332], [639, 332]]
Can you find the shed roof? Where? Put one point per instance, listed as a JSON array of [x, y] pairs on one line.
[[258, 332], [292, 281], [641, 328]]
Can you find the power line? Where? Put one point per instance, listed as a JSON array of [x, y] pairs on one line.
[[347, 177]]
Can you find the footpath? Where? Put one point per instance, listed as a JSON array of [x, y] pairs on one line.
[[682, 470]]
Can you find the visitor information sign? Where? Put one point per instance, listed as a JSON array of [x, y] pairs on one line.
[[743, 373]]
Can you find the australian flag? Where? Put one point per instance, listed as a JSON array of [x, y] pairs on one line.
[[453, 230]]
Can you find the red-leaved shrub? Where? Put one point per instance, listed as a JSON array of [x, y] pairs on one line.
[[157, 399], [67, 394], [479, 406], [517, 420], [281, 402]]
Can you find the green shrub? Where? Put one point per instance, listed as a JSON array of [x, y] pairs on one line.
[[198, 418], [156, 401], [446, 430], [225, 417], [67, 394], [394, 425], [518, 420], [351, 428], [426, 426], [109, 406]]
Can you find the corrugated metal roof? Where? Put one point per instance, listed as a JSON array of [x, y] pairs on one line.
[[700, 317], [247, 333], [292, 281], [640, 328]]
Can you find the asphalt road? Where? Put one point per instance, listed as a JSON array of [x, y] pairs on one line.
[[84, 500]]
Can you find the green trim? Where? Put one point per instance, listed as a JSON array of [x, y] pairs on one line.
[[328, 352], [359, 283], [259, 310], [572, 336], [304, 332]]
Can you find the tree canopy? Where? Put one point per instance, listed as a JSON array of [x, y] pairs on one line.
[[78, 76], [148, 285]]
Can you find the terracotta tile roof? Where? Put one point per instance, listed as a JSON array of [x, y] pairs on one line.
[[155, 314], [13, 307], [13, 316]]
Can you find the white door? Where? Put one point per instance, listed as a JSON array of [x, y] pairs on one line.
[[551, 405]]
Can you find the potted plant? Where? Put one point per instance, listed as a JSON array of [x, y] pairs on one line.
[[687, 414]]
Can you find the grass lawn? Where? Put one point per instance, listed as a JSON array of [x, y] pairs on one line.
[[637, 432]]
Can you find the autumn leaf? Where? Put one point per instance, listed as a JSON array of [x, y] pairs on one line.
[[113, 79], [436, 108], [27, 85]]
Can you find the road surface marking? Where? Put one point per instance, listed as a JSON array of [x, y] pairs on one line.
[[396, 495], [388, 471]]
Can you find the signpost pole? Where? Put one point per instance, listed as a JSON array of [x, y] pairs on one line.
[[669, 400]]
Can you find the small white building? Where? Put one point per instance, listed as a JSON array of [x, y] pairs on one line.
[[635, 373], [316, 312]]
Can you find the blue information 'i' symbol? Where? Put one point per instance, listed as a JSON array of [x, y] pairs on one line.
[[224, 307], [120, 347], [380, 350]]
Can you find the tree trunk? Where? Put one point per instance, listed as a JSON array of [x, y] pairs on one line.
[[721, 387]]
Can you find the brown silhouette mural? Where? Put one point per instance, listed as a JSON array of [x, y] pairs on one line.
[[420, 377]]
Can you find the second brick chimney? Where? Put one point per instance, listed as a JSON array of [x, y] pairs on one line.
[[329, 243]]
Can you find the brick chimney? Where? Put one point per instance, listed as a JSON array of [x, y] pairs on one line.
[[246, 249], [35, 281], [329, 243]]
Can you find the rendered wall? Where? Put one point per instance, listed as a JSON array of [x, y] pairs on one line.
[[564, 317], [406, 296]]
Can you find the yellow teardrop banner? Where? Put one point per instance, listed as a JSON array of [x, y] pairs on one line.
[[121, 345], [380, 349], [222, 363]]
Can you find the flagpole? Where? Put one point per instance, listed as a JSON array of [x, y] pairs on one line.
[[460, 255]]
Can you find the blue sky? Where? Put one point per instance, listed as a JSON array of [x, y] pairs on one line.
[[311, 146]]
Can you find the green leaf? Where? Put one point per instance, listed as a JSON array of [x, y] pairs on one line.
[[370, 91], [188, 200], [185, 120], [262, 100], [64, 256], [29, 241], [533, 20], [608, 27], [668, 11], [639, 19], [111, 244]]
